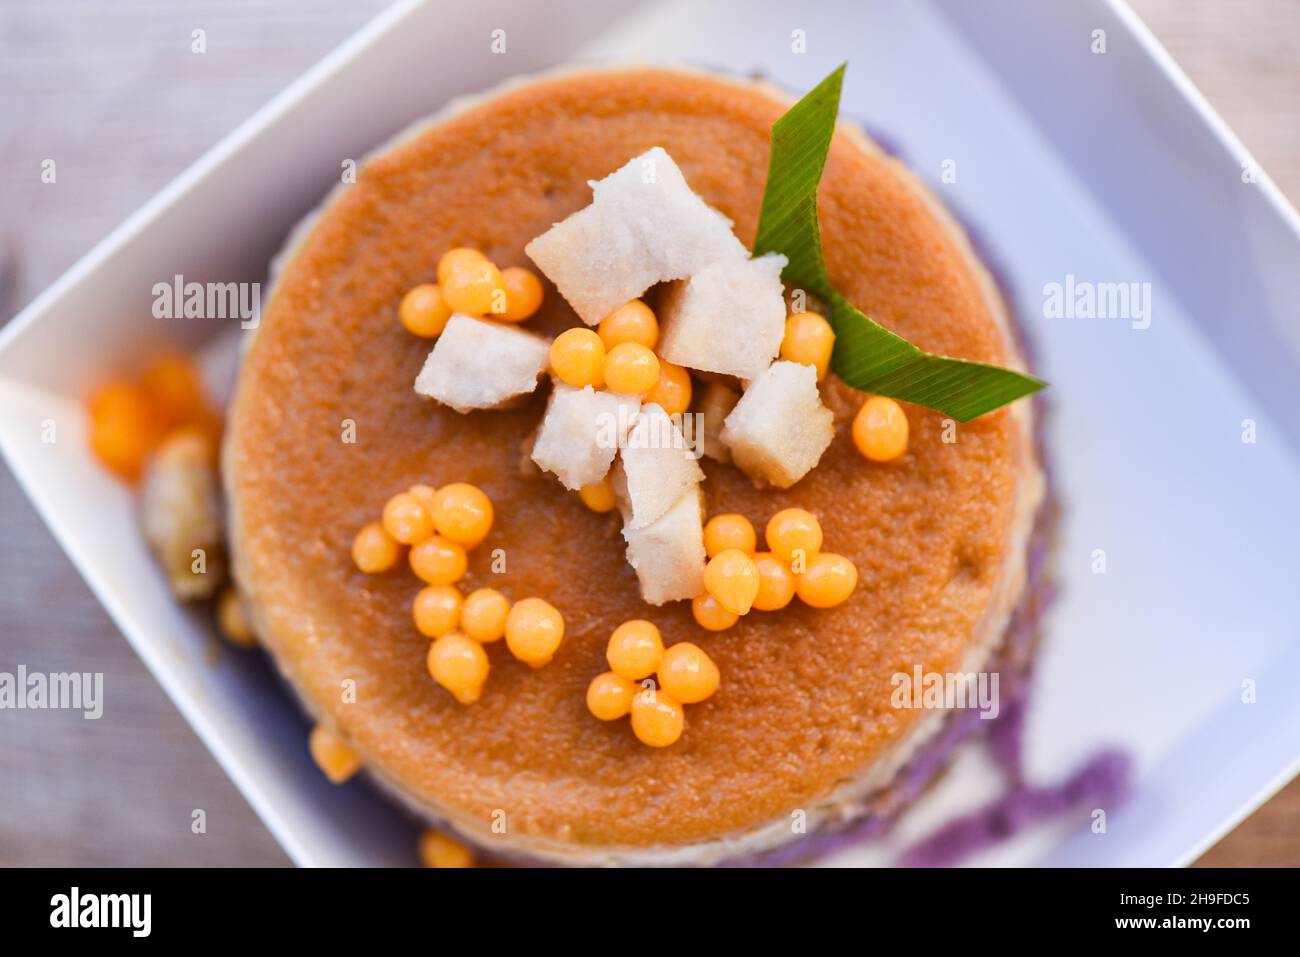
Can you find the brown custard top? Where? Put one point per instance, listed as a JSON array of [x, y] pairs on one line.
[[805, 694]]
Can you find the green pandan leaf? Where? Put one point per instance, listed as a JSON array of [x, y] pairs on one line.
[[867, 356]]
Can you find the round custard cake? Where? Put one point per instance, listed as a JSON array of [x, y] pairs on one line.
[[325, 426]]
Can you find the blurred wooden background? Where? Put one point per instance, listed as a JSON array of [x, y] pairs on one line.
[[113, 93]]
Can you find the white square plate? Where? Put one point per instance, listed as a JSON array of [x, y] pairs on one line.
[[1103, 166]]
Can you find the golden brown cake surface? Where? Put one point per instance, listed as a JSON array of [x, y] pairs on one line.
[[805, 697]]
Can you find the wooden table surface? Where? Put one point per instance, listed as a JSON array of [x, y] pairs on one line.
[[115, 95]]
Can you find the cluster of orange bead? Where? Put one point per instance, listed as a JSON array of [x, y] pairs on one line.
[[441, 527], [619, 356], [738, 578], [470, 283], [684, 675], [129, 418]]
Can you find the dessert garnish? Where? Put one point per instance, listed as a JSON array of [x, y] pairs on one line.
[[809, 339], [683, 674], [739, 579], [232, 619], [483, 615], [131, 418], [332, 754], [867, 356], [180, 513], [437, 849], [880, 429], [440, 527]]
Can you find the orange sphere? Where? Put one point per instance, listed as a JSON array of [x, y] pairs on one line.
[[880, 429], [609, 696], [687, 674], [829, 580], [462, 513], [374, 550], [791, 531], [534, 630], [523, 294], [423, 311], [483, 615], [123, 428], [630, 368], [438, 561], [729, 531], [710, 614], [634, 649], [673, 390], [631, 322], [657, 718], [732, 578], [436, 610]]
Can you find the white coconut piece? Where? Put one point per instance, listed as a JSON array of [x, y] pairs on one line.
[[729, 317], [715, 405], [644, 225], [779, 429], [659, 467], [668, 554], [582, 432], [180, 514], [477, 364]]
